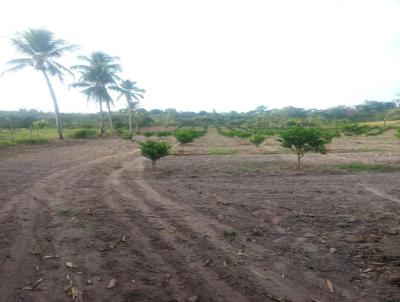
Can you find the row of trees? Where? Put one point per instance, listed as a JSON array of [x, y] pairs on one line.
[[98, 73], [300, 140]]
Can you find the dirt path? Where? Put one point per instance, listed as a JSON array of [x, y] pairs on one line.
[[203, 228]]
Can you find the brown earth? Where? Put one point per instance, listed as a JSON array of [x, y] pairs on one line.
[[242, 227]]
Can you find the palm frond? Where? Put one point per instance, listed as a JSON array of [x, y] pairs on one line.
[[58, 52], [80, 85], [15, 68], [62, 68], [21, 61]]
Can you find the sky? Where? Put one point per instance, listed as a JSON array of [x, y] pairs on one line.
[[225, 55]]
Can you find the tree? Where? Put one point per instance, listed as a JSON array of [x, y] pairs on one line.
[[96, 77], [148, 134], [39, 125], [185, 136], [128, 89], [154, 151], [302, 140], [257, 139], [41, 49]]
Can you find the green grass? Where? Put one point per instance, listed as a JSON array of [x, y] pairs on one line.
[[360, 167], [64, 212], [381, 123], [368, 149], [23, 135], [230, 233], [220, 151], [93, 229]]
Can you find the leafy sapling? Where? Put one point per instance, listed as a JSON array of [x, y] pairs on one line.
[[154, 151], [185, 136], [257, 139], [148, 134], [303, 140]]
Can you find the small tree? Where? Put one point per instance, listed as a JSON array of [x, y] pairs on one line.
[[257, 139], [302, 140], [185, 136], [154, 151], [148, 134], [40, 125]]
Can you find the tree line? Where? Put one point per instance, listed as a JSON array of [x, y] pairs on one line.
[[268, 118]]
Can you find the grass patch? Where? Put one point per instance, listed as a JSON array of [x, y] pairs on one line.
[[230, 234], [93, 229], [382, 123], [64, 212], [367, 149], [220, 151], [43, 136], [360, 167]]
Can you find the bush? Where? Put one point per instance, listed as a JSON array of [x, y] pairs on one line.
[[164, 133], [125, 134], [257, 139], [188, 135], [84, 133], [302, 140], [154, 151], [354, 129], [328, 134], [148, 134], [185, 136]]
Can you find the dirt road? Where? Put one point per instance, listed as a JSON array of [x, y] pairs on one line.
[[88, 221]]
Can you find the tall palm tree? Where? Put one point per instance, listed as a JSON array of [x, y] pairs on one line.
[[132, 93], [97, 75], [41, 49]]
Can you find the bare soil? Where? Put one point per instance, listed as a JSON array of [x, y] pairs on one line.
[[89, 221]]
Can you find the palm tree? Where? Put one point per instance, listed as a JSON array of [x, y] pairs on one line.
[[130, 91], [96, 77], [41, 49]]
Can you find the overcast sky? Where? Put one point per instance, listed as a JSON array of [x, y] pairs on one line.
[[218, 54]]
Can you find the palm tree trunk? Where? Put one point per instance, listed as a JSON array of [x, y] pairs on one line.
[[101, 118], [59, 122], [130, 117], [109, 117], [135, 120]]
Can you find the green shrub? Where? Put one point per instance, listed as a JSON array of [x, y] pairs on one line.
[[148, 134], [257, 139], [188, 135], [154, 151], [354, 129], [357, 129], [328, 134], [164, 133], [125, 134], [84, 133]]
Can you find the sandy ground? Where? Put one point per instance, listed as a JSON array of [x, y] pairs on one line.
[[89, 221]]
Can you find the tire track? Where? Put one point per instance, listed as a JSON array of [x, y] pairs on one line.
[[150, 202]]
